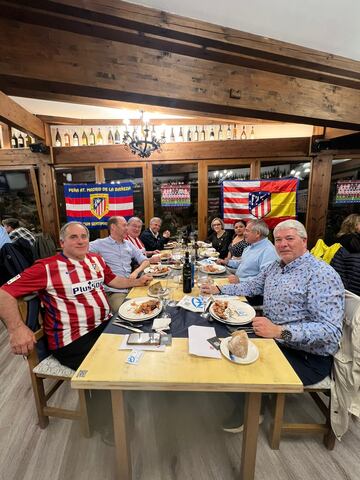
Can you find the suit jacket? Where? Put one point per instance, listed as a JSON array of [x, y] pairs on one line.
[[152, 243]]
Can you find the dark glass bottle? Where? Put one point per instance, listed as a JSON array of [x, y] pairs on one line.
[[243, 134], [75, 140], [187, 274], [91, 137], [14, 141], [58, 141], [172, 135], [196, 134], [203, 134], [67, 139], [189, 137], [110, 138], [21, 141], [117, 137], [27, 140], [181, 136], [212, 134]]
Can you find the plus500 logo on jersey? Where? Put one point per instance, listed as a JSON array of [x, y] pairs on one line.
[[85, 287]]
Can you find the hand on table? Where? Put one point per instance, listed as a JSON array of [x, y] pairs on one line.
[[145, 280], [155, 259], [263, 327], [209, 289], [220, 261], [233, 279]]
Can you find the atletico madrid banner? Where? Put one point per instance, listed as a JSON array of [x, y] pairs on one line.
[[94, 204], [270, 200]]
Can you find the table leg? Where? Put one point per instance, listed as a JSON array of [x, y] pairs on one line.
[[250, 434], [122, 447]]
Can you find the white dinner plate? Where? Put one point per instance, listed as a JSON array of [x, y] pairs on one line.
[[176, 267], [127, 310], [245, 313], [152, 271], [251, 357], [219, 269]]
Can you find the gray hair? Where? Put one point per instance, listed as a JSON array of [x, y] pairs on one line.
[[154, 219], [294, 224], [67, 225], [135, 219], [259, 226]]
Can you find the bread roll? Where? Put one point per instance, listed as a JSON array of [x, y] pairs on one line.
[[239, 344]]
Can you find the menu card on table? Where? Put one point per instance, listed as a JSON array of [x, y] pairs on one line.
[[198, 342]]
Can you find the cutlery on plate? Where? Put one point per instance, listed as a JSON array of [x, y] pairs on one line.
[[132, 329]]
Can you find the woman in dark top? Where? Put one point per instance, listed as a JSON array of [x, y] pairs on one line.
[[349, 234], [238, 243], [220, 239]]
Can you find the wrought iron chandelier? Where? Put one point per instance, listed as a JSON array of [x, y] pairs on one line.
[[145, 146]]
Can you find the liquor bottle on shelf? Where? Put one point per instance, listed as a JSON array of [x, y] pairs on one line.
[[172, 135], [189, 136], [14, 141], [234, 132], [203, 134], [27, 140], [58, 141], [91, 137], [75, 140], [66, 139], [252, 133], [220, 133], [196, 135], [243, 134], [99, 138], [181, 136], [228, 133], [212, 134], [84, 139], [187, 274], [21, 141], [117, 137], [110, 138]]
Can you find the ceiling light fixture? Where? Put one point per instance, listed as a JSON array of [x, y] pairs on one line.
[[146, 145]]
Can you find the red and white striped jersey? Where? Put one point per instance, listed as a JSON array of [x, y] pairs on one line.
[[72, 292], [137, 242]]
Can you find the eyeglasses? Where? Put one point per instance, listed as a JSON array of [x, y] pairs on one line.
[[216, 224]]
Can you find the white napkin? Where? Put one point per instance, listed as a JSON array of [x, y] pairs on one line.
[[162, 323], [198, 344]]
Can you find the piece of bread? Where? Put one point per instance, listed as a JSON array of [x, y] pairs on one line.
[[239, 344]]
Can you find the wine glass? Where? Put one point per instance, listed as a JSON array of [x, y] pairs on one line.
[[163, 293], [204, 280]]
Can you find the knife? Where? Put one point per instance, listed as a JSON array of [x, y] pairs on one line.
[[132, 329]]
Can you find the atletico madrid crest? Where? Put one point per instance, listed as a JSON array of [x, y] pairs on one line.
[[99, 204], [260, 204]]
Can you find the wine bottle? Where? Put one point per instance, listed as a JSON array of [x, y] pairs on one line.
[[243, 134], [21, 141], [252, 134], [84, 140], [203, 134], [212, 134], [234, 132], [66, 139], [220, 133], [196, 135], [117, 137], [27, 140], [187, 274], [181, 136], [110, 138], [75, 140], [189, 137], [58, 141], [91, 137], [99, 138], [172, 135], [14, 141], [228, 133]]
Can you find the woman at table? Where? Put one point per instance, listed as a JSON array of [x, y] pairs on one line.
[[349, 234], [238, 243], [220, 239]]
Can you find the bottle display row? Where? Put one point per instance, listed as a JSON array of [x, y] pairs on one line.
[[90, 136], [20, 139]]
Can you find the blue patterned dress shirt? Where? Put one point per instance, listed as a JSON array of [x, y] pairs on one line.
[[306, 296]]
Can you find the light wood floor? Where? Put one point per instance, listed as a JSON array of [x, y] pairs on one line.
[[173, 436]]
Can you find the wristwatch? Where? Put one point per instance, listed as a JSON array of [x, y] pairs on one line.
[[286, 335]]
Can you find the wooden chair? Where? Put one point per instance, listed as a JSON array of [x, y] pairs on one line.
[[320, 393], [44, 367]]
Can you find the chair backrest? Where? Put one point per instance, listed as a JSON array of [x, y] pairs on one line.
[[34, 317], [13, 260]]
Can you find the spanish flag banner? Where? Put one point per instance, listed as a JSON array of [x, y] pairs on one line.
[[270, 200]]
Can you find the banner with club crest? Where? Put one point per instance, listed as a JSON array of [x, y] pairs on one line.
[[175, 195], [94, 204]]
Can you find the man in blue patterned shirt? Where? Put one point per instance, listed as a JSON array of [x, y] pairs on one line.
[[304, 301]]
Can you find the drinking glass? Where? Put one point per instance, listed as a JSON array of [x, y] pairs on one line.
[[163, 294], [204, 280]]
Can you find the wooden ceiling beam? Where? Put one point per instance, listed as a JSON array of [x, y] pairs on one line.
[[16, 116]]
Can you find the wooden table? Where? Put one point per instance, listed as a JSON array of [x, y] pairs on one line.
[[176, 370]]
